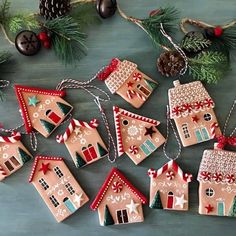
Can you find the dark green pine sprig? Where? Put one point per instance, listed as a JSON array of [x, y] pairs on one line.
[[168, 17], [208, 66]]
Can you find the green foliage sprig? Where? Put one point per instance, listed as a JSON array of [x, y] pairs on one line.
[[208, 66]]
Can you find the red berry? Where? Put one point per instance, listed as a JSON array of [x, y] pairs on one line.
[[43, 36], [47, 44], [218, 31]]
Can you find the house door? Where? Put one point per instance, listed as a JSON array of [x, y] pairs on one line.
[[221, 208], [148, 147], [122, 216], [53, 116], [202, 135], [170, 200], [89, 153], [70, 206]]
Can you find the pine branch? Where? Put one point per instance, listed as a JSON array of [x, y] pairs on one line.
[[168, 17], [85, 14], [208, 66], [67, 39], [4, 57], [195, 43], [21, 21], [4, 11]]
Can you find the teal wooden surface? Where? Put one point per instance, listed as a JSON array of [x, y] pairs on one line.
[[22, 211]]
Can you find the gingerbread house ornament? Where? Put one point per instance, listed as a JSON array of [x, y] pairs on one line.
[[118, 201], [13, 154], [137, 136], [83, 142], [57, 186], [169, 187], [217, 183], [125, 79], [191, 107], [42, 110]]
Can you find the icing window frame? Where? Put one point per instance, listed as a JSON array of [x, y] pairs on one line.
[[43, 183], [185, 130], [207, 117], [58, 171], [210, 192]]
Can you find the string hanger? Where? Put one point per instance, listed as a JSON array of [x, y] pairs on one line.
[[111, 142], [85, 85], [168, 121]]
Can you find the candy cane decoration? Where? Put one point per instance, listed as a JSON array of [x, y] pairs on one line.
[[152, 173], [15, 136], [214, 126], [133, 149], [217, 177], [230, 179], [205, 175], [137, 76], [131, 94], [188, 177], [117, 187], [73, 124], [170, 175]]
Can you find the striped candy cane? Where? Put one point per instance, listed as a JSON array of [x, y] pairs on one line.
[[214, 126], [131, 94], [15, 136]]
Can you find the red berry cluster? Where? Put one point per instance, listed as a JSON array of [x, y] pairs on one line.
[[45, 39], [109, 69]]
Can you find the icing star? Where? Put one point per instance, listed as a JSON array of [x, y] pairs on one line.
[[130, 84], [78, 198], [78, 130], [133, 207], [149, 131], [180, 201], [33, 101], [195, 119], [209, 208], [44, 168]]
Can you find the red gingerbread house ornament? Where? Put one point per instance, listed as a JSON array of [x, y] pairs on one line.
[[118, 201], [169, 187], [13, 155], [191, 107], [83, 142], [41, 109], [137, 136], [57, 186], [217, 183], [124, 79]]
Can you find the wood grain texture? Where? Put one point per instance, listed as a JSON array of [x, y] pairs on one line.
[[22, 211]]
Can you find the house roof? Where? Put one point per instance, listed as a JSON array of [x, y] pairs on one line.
[[117, 78], [115, 173], [187, 98], [20, 90], [218, 166], [15, 137], [36, 161], [170, 165], [117, 113], [93, 124]]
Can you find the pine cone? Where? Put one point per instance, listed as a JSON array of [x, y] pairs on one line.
[[51, 9], [170, 63]]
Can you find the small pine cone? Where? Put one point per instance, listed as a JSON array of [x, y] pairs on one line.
[[51, 9], [170, 63]]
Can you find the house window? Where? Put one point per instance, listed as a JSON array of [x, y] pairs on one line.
[[125, 122], [143, 90], [122, 216], [89, 153], [43, 184], [185, 131], [69, 188], [54, 201], [58, 171], [148, 147], [210, 192], [14, 161], [207, 117], [9, 166], [53, 116]]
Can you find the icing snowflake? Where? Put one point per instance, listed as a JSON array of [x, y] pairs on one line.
[[132, 130]]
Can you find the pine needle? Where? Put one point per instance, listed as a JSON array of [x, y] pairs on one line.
[[168, 17], [208, 66], [195, 43], [4, 11], [67, 39], [4, 56]]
